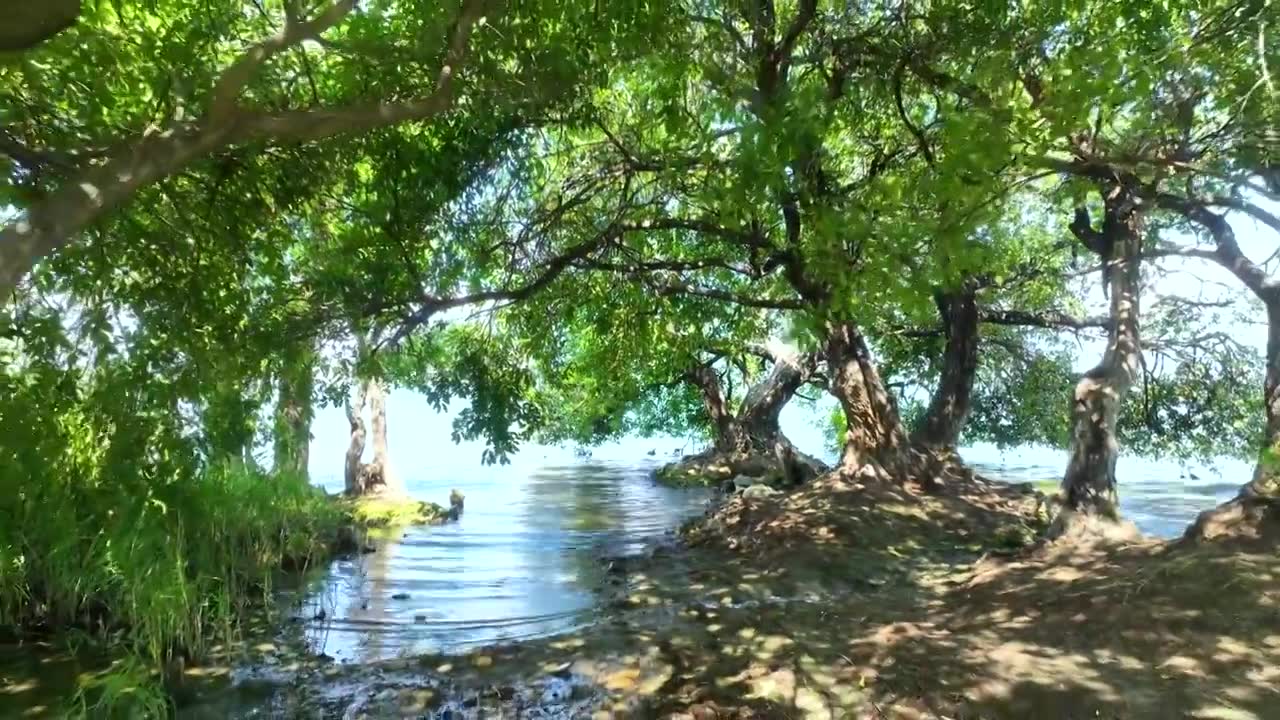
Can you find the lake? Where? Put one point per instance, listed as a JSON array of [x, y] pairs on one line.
[[525, 558]]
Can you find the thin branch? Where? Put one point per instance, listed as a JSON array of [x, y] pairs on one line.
[[1042, 318]]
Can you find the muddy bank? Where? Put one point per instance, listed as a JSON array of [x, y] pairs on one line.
[[846, 599]]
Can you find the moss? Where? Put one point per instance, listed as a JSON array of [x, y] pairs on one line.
[[677, 475], [1048, 486], [1014, 536], [385, 512]]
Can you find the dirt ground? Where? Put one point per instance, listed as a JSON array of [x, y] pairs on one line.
[[848, 600]]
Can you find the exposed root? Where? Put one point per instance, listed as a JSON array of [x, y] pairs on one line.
[[1073, 533], [713, 467], [1248, 519], [868, 508]]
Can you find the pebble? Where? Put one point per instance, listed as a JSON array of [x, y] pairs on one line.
[[557, 692]]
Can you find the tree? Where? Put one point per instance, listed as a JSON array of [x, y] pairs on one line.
[[1089, 484], [302, 79]]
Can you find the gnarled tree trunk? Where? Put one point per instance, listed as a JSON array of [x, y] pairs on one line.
[[1266, 474], [376, 476], [750, 442], [875, 438], [353, 478], [729, 435], [380, 476], [756, 426], [1089, 484], [1255, 512], [952, 398]]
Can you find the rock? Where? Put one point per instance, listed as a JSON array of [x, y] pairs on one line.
[[742, 482], [400, 596], [420, 618], [505, 693], [651, 453], [759, 491], [557, 691]]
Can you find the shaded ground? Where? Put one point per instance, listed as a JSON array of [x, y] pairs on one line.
[[849, 601]]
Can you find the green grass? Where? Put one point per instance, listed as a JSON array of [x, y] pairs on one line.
[[392, 512], [168, 570]]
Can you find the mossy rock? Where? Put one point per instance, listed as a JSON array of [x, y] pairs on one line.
[[1014, 536], [677, 475], [382, 512]]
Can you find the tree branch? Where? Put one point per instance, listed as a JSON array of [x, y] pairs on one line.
[[1227, 252], [55, 219], [1042, 318], [227, 90]]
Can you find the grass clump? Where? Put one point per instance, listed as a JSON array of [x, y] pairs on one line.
[[380, 511], [160, 573]]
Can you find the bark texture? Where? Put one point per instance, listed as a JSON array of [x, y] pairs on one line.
[[378, 475], [952, 398], [1255, 512], [1089, 484], [28, 23], [1266, 474], [353, 479], [750, 442], [875, 437], [755, 427]]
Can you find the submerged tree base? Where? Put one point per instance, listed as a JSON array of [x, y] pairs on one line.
[[1248, 519], [715, 468], [387, 510]]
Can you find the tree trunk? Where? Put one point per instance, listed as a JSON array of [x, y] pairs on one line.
[[761, 411], [294, 413], [1266, 474], [756, 426], [1089, 484], [950, 404], [353, 476], [381, 476], [875, 436], [729, 436], [28, 23]]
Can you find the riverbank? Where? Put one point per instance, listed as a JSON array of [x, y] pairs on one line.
[[869, 601], [145, 586]]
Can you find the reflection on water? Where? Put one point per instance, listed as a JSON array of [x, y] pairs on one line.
[[523, 561]]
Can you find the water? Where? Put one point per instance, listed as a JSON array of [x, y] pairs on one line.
[[524, 560], [1161, 496]]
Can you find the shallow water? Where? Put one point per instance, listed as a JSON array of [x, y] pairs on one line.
[[1161, 496], [524, 560]]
